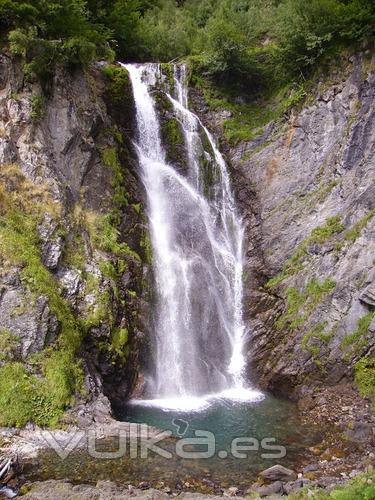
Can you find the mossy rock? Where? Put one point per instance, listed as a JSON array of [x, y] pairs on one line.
[[119, 88]]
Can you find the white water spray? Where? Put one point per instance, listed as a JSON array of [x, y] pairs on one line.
[[197, 239]]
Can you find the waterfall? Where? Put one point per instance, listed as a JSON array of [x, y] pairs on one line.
[[197, 240]]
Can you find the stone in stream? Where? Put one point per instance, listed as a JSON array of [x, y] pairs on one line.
[[278, 473]]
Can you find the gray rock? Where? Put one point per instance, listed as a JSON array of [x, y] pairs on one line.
[[310, 468], [278, 473], [292, 486], [265, 491], [368, 295], [61, 157], [361, 432], [320, 164], [231, 492]]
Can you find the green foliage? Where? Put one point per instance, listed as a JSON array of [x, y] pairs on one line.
[[118, 346], [360, 488], [111, 160], [146, 247], [254, 43], [365, 376], [172, 136], [305, 302], [8, 345], [323, 233], [358, 338], [105, 236], [318, 333], [119, 82], [37, 108], [354, 232], [251, 44], [71, 32], [59, 372], [25, 397], [319, 236]]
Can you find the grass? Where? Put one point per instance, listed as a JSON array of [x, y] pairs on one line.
[[318, 236], [56, 374], [365, 376], [357, 338], [111, 160], [248, 119], [173, 137], [360, 488], [300, 305], [8, 345], [105, 236], [319, 334], [355, 231]]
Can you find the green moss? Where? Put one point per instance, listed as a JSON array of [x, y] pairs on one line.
[[8, 344], [323, 233], [74, 252], [365, 376], [300, 305], [173, 137], [26, 397], [357, 338], [137, 207], [317, 333], [105, 236], [108, 269], [146, 246], [319, 235], [19, 245], [102, 311], [354, 232], [167, 70], [247, 120], [120, 337], [360, 488], [37, 108], [111, 160], [119, 87]]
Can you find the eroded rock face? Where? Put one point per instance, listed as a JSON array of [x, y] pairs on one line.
[[74, 143], [315, 171]]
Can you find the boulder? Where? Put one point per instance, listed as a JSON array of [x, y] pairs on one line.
[[278, 473]]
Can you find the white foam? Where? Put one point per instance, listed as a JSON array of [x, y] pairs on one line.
[[190, 403], [241, 394], [181, 404]]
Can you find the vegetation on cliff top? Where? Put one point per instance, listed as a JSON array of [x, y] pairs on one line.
[[248, 43]]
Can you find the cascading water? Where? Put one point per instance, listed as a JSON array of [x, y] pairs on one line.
[[197, 240]]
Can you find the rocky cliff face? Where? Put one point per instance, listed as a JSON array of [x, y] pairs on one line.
[[75, 253], [73, 242], [307, 191]]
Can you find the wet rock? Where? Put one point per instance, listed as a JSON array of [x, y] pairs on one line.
[[7, 492], [278, 473]]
